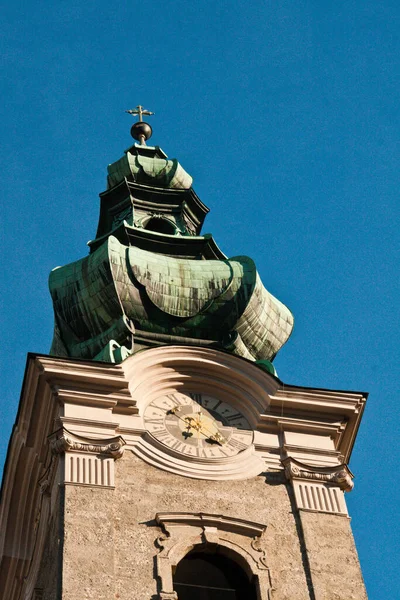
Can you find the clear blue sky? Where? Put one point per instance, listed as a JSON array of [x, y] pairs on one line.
[[286, 113]]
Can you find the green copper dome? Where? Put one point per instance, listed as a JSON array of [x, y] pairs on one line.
[[152, 279], [149, 166]]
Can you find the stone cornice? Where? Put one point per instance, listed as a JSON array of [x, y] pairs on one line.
[[339, 475], [290, 449], [331, 401], [204, 520], [71, 422], [62, 441], [68, 369], [87, 382], [318, 412]]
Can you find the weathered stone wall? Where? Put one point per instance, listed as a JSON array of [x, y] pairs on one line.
[[90, 544], [110, 535], [332, 557], [109, 549]]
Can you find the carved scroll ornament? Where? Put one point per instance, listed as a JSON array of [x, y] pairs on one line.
[[339, 475], [63, 441]]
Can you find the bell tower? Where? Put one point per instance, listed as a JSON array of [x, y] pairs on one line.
[[156, 453]]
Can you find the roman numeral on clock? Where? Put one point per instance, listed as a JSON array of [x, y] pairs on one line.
[[237, 444], [178, 446], [201, 453], [234, 417], [163, 435], [154, 421], [196, 398], [174, 400], [166, 438]]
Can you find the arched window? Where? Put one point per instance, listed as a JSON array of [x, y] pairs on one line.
[[211, 576], [160, 225]]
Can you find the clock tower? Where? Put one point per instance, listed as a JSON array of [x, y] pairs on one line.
[[156, 454]]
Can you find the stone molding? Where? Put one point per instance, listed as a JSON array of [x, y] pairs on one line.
[[86, 461], [318, 411], [292, 449], [62, 441], [204, 520], [159, 370], [339, 475], [244, 465], [87, 383], [240, 540], [319, 489], [168, 596]]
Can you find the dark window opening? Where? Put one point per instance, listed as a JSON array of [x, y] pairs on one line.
[[205, 576], [160, 226]]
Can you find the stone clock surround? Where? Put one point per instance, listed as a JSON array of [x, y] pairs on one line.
[[91, 415]]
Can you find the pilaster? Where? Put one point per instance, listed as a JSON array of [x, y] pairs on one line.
[[86, 461], [319, 489], [328, 541]]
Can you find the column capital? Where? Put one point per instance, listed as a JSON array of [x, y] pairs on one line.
[[62, 441], [319, 489]]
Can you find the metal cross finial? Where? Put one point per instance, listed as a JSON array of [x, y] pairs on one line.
[[139, 111]]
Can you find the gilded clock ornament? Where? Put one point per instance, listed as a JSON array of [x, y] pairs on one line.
[[198, 425]]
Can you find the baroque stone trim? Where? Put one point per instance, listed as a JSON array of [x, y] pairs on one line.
[[205, 520], [62, 441], [238, 539], [86, 461], [339, 475], [322, 452], [244, 465], [319, 489]]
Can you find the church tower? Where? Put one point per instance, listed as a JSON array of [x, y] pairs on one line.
[[156, 455]]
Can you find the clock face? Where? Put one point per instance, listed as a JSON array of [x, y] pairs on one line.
[[198, 425]]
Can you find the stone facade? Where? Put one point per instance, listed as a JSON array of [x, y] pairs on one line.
[[105, 510], [111, 538]]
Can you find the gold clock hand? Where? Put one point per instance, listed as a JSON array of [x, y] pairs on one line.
[[215, 437], [190, 422], [198, 426]]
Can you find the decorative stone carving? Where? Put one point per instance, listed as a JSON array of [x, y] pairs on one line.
[[87, 461], [338, 474], [319, 488], [64, 441], [239, 539]]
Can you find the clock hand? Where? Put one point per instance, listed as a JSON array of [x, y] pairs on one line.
[[215, 437], [186, 420], [191, 422]]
